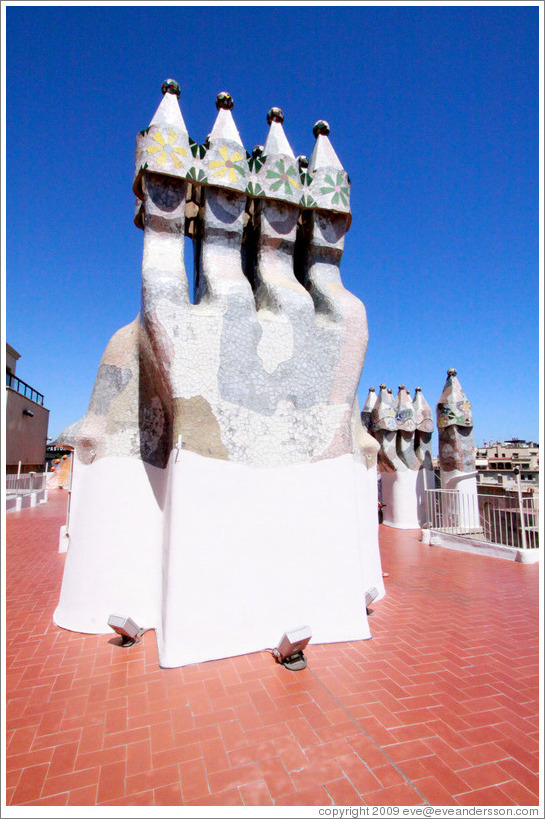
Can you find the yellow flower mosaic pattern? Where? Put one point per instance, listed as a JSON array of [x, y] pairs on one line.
[[166, 149], [228, 166]]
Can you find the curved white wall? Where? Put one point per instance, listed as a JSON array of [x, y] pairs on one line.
[[113, 562], [465, 483], [399, 495], [232, 557]]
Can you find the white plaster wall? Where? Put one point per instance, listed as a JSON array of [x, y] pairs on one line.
[[399, 494], [113, 562], [252, 552], [466, 484], [232, 558], [367, 501]]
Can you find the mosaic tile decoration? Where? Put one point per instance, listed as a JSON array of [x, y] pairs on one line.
[[401, 426], [455, 425], [453, 408], [168, 150], [404, 411], [423, 415], [260, 369]]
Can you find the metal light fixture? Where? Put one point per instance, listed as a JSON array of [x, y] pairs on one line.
[[370, 595], [127, 629], [289, 651], [28, 412]]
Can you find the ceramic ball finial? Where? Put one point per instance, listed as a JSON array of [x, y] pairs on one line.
[[224, 100], [275, 115], [321, 128], [170, 87]]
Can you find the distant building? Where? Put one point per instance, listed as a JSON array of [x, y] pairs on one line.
[[496, 463], [26, 421]]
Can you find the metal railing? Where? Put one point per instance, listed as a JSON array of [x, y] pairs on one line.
[[24, 389], [26, 483], [507, 520]]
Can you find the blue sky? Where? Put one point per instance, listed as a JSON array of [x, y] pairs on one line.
[[434, 112]]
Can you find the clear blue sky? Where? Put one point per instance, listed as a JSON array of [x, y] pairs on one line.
[[434, 112]]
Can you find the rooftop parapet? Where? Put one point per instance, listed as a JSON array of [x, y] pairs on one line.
[[166, 148]]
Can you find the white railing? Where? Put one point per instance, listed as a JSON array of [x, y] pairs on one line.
[[26, 483], [453, 512], [508, 520]]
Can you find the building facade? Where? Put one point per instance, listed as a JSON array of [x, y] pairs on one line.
[[496, 463], [26, 421]]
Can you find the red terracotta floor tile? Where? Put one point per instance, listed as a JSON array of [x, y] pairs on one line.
[[342, 792], [149, 780], [168, 795], [111, 781], [485, 796], [426, 710], [231, 797], [402, 794], [233, 777], [276, 777], [82, 797], [256, 793], [316, 795], [146, 798], [433, 791], [518, 793], [30, 784]]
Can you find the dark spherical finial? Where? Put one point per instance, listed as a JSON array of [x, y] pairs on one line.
[[275, 115], [257, 151], [321, 127], [452, 372], [303, 162], [389, 390], [371, 389], [383, 386], [170, 87], [224, 100], [401, 387], [418, 389]]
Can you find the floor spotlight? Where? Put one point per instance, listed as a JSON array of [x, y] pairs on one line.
[[126, 628], [289, 651], [370, 595]]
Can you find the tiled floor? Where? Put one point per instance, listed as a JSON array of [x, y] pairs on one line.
[[439, 708]]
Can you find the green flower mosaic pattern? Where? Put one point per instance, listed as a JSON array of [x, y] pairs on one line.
[[198, 151], [197, 175], [255, 162], [163, 149], [337, 188], [254, 189], [283, 176], [307, 201]]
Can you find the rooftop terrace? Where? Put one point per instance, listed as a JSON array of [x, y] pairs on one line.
[[439, 708]]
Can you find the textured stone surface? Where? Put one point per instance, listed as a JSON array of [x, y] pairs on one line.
[[401, 426], [263, 368], [455, 425]]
